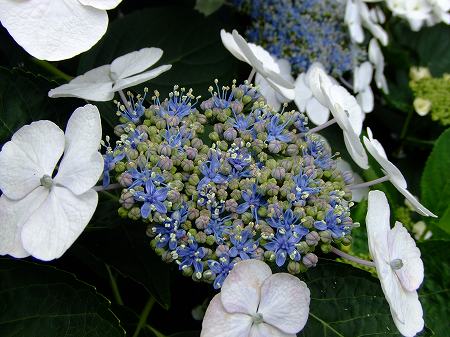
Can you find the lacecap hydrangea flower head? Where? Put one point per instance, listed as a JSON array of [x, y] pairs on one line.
[[303, 32], [228, 179]]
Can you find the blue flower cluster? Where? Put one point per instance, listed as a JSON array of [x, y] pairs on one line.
[[228, 179], [303, 32]]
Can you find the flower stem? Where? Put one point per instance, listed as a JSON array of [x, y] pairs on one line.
[[124, 99], [322, 126], [352, 258], [250, 77], [406, 125], [114, 286], [107, 188], [144, 315], [369, 183], [52, 69]]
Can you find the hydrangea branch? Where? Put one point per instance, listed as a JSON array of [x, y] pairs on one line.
[[352, 258]]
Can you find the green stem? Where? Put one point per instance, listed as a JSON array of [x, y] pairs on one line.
[[406, 125], [156, 332], [52, 69], [144, 315], [114, 287], [420, 141]]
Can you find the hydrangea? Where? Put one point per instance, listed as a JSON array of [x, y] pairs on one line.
[[228, 179], [303, 32]]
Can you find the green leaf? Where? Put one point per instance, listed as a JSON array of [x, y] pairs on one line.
[[207, 7], [23, 99], [127, 249], [436, 180], [435, 292], [191, 43], [433, 47], [346, 301], [39, 300]]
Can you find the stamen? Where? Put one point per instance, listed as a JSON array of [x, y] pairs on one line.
[[47, 181], [396, 264], [257, 318]]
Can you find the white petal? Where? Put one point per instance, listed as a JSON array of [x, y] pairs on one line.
[[219, 323], [356, 149], [249, 55], [241, 289], [95, 85], [377, 151], [284, 88], [317, 113], [141, 78], [135, 62], [405, 307], [268, 61], [353, 20], [230, 44], [302, 92], [59, 221], [363, 76], [13, 215], [377, 223], [53, 30], [82, 164], [32, 152], [319, 83], [340, 98], [268, 92], [285, 302], [366, 100], [402, 246], [266, 330], [421, 209], [101, 4]]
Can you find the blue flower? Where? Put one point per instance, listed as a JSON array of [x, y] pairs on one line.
[[134, 139], [153, 199], [134, 112], [180, 104], [288, 223], [284, 245], [210, 171], [109, 161], [322, 156], [169, 233], [333, 222], [302, 189], [243, 245], [176, 138], [275, 130], [242, 123], [142, 175], [191, 255], [221, 268], [252, 200], [217, 227]]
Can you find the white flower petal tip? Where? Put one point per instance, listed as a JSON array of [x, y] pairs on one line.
[[397, 179], [100, 84], [56, 30], [255, 303], [398, 264], [266, 65], [46, 215]]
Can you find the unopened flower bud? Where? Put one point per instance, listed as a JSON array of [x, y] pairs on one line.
[[236, 106], [165, 150], [125, 179], [274, 146], [202, 221], [422, 106], [165, 163], [134, 213], [196, 143], [230, 134], [325, 236], [278, 173], [292, 150], [312, 238], [126, 200], [191, 153], [419, 73], [310, 260], [293, 267]]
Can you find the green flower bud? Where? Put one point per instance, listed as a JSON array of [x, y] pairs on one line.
[[134, 213], [194, 180], [196, 143], [214, 136], [325, 247], [293, 267], [120, 167], [325, 236], [210, 240], [236, 194], [187, 271], [123, 212], [302, 247]]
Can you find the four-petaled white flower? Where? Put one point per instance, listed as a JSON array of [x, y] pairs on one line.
[[255, 303], [100, 84], [398, 264], [357, 16], [393, 173], [377, 59], [42, 214], [55, 30], [362, 77], [272, 96], [346, 112], [260, 60], [305, 100]]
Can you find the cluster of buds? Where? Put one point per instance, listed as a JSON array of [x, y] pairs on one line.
[[228, 179]]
